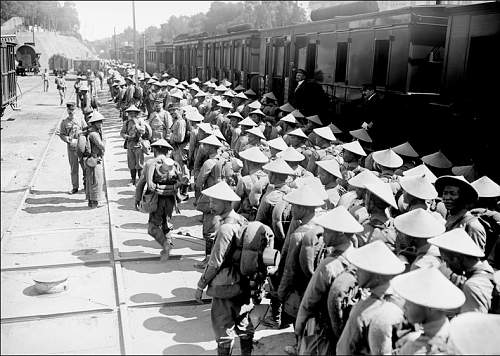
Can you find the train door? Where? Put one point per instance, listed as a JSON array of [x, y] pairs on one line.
[[325, 61], [237, 67], [300, 60], [278, 68]]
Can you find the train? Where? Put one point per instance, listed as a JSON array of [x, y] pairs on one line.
[[59, 63], [435, 65], [28, 59], [8, 71], [81, 66]]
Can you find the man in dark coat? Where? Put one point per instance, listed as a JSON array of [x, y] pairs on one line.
[[309, 97]]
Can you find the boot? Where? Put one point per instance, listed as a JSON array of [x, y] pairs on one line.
[[165, 253], [132, 175], [274, 320], [246, 345], [139, 173], [224, 349]]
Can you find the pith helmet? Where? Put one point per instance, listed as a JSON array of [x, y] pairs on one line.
[[132, 108], [291, 155], [331, 166], [221, 191], [459, 241], [257, 112], [250, 92], [486, 188], [419, 186], [287, 108], [376, 257], [270, 96], [278, 166], [437, 160], [474, 333], [304, 196], [247, 122], [255, 105], [162, 143], [339, 219], [466, 188], [388, 158], [405, 149], [421, 170], [254, 154], [354, 147], [361, 134], [325, 133], [430, 288], [241, 96], [315, 119], [290, 119], [96, 116], [419, 223], [256, 131], [335, 129], [211, 140], [362, 179], [298, 133], [236, 115], [383, 191], [297, 114], [277, 143]]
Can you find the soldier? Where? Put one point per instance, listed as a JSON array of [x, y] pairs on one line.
[[209, 175], [313, 317], [231, 132], [195, 118], [214, 111], [61, 87], [352, 152], [76, 86], [438, 163], [222, 120], [323, 148], [354, 199], [69, 131], [255, 136], [94, 171], [294, 158], [251, 185], [270, 104], [416, 191], [160, 122], [204, 130], [230, 306], [373, 321], [132, 131], [457, 195], [313, 122], [386, 162], [296, 139], [428, 297], [415, 227], [242, 139], [293, 283], [462, 257], [202, 104], [179, 137], [85, 99], [285, 109], [275, 146], [328, 172], [239, 101], [287, 123], [379, 226]]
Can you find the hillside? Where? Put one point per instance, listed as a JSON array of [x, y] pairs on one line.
[[50, 43]]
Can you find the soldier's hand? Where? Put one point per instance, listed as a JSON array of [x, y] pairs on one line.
[[137, 205], [197, 295]]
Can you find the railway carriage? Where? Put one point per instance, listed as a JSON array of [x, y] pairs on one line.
[[58, 63], [164, 58], [8, 70], [400, 51], [27, 59]]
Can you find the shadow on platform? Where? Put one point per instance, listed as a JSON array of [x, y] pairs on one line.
[[54, 209]]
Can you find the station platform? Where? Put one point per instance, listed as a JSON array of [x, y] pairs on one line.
[[120, 298]]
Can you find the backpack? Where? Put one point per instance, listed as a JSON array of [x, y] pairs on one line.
[[490, 225], [83, 148]]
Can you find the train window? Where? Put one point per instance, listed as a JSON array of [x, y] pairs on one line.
[[279, 60], [381, 62], [324, 59], [301, 57], [341, 63]]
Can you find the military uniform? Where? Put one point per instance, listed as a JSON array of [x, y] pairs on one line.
[[231, 312], [244, 189], [131, 131], [379, 228], [69, 130], [160, 122]]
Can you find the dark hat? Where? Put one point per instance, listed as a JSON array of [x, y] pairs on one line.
[[466, 188], [71, 105], [301, 71]]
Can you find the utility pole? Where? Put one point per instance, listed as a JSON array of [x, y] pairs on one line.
[[135, 49], [144, 51], [116, 49]]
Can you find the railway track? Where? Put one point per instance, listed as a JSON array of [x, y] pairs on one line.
[[120, 299]]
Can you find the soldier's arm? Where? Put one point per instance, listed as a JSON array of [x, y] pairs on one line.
[[477, 233], [219, 250], [240, 191], [477, 297], [381, 328], [141, 183], [287, 280], [263, 212], [317, 288], [96, 140], [63, 133], [123, 131], [204, 173], [309, 249]]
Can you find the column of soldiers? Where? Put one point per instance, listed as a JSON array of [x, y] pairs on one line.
[[382, 252]]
